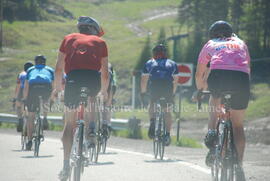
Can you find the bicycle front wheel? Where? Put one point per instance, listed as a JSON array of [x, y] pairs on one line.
[[161, 148], [78, 164], [155, 148]]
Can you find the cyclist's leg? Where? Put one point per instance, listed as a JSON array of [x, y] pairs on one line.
[[90, 115], [67, 138], [237, 117], [30, 124], [214, 105]]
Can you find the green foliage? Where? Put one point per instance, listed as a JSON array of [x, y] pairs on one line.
[[250, 20], [145, 55]]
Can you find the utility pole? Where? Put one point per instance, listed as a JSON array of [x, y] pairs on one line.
[[1, 25], [175, 39]]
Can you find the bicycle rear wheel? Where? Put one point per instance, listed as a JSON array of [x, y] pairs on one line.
[[155, 148], [103, 144], [78, 162], [161, 148], [37, 137]]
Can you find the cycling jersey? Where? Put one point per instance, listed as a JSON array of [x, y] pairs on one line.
[[21, 78], [160, 69], [83, 52], [226, 54], [40, 74]]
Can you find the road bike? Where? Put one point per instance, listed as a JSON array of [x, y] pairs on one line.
[[225, 159], [160, 129], [103, 129], [77, 157]]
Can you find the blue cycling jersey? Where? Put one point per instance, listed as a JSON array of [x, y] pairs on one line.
[[21, 78], [40, 74], [160, 69]]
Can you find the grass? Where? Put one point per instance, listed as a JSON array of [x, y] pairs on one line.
[[183, 141]]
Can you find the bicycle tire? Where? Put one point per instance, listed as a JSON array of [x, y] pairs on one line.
[[98, 148], [161, 147], [77, 169], [155, 148], [37, 137], [104, 144]]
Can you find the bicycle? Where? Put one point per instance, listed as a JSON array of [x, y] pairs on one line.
[[95, 149], [225, 159], [103, 129], [38, 128], [78, 155], [160, 129]]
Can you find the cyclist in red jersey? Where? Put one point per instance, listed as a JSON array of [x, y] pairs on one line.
[[83, 57]]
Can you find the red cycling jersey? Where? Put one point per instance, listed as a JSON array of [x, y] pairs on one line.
[[83, 52]]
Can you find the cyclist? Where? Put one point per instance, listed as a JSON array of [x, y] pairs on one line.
[[81, 56], [162, 73], [19, 94], [39, 82], [229, 62], [109, 102]]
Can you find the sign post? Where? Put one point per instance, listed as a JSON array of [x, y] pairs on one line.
[[185, 80]]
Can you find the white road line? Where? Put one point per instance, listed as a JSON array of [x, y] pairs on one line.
[[190, 165]]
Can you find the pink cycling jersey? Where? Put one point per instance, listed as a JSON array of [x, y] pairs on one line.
[[226, 54]]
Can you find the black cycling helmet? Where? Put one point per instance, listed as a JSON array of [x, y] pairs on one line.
[[160, 48], [27, 65], [40, 59], [220, 29], [89, 21]]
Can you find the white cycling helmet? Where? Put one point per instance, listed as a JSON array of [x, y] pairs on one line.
[[89, 21]]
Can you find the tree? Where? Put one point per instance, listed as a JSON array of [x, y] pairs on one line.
[[163, 40], [145, 55]]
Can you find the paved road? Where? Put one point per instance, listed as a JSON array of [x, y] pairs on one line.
[[126, 160]]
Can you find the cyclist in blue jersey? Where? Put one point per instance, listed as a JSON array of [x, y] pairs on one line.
[[162, 73], [19, 94], [39, 82]]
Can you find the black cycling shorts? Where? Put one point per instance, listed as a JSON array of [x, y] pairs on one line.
[[161, 88], [77, 79], [220, 81], [36, 90]]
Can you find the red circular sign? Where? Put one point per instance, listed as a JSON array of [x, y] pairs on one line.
[[184, 74]]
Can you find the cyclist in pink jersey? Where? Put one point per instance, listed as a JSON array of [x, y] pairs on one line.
[[228, 59]]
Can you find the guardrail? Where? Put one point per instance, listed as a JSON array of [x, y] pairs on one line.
[[117, 124]]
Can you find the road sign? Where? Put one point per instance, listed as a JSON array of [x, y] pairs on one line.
[[185, 74]]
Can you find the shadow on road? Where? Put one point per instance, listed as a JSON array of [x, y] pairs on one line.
[[109, 153], [101, 163], [162, 161], [18, 150], [43, 156]]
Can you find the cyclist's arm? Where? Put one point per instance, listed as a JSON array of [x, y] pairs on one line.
[[104, 74], [175, 83], [144, 81], [201, 76], [59, 69], [17, 90]]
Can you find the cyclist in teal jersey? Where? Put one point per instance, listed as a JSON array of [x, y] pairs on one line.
[[39, 82]]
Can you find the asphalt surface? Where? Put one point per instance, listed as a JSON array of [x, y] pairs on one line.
[[125, 159]]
